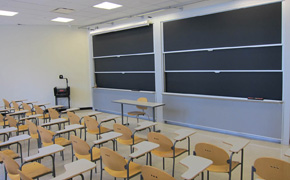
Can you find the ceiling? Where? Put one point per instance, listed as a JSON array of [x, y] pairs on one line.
[[39, 12]]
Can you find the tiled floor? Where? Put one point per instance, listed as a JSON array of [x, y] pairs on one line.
[[253, 151]]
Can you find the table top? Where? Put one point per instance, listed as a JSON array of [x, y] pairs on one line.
[[75, 168], [287, 153], [18, 112], [42, 104], [31, 102], [138, 103], [45, 151], [143, 148], [183, 133], [108, 118], [195, 165], [55, 121], [8, 130], [236, 143], [94, 113], [144, 125], [57, 106], [70, 110], [70, 128], [107, 137], [15, 139], [31, 116], [21, 100], [4, 110]]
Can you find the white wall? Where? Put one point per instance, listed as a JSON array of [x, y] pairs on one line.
[[32, 57]]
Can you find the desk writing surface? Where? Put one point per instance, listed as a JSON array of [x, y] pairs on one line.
[[109, 118], [143, 148], [107, 137], [18, 112], [138, 103], [45, 151], [70, 128], [4, 110], [287, 153], [8, 130], [236, 143], [42, 104], [16, 139], [70, 110], [75, 168], [144, 125], [57, 106], [31, 117], [55, 121], [195, 165], [183, 133], [94, 113]]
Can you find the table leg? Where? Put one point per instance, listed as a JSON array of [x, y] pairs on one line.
[[122, 113], [154, 120]]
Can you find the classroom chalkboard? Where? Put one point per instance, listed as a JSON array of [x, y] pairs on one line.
[[131, 41], [242, 46], [132, 81], [125, 63], [248, 26], [251, 84], [264, 58]]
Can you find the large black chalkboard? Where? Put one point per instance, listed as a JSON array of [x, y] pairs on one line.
[[132, 81], [125, 63], [249, 26], [264, 58], [131, 41], [264, 85]]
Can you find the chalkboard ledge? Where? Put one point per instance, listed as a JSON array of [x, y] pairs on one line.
[[223, 98], [124, 90]]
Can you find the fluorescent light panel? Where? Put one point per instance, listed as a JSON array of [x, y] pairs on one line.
[[120, 27], [107, 5], [7, 13], [61, 19]]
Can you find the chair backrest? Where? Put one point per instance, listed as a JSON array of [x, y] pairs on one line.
[[45, 136], [38, 109], [23, 176], [218, 155], [80, 146], [6, 103], [53, 114], [165, 144], [142, 99], [32, 128], [73, 118], [10, 164], [91, 123], [153, 173], [15, 105], [271, 168], [125, 131], [12, 122], [112, 159], [26, 107]]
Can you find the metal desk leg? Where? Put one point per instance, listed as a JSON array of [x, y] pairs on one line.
[[154, 120]]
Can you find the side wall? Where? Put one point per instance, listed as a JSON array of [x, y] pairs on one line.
[[32, 58]]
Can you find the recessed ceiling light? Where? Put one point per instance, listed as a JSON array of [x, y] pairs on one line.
[[7, 13], [61, 19], [107, 5]]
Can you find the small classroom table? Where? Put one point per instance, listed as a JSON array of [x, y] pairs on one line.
[[110, 136]]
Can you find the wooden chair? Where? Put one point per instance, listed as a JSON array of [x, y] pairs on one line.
[[153, 173], [13, 123], [139, 113], [222, 162], [28, 108], [75, 119], [15, 106], [92, 127], [7, 105], [32, 131], [116, 165], [53, 114], [166, 149], [82, 150], [271, 168], [2, 121], [32, 170], [127, 138], [23, 176], [46, 139], [39, 110]]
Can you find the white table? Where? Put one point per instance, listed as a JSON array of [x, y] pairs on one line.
[[238, 144], [16, 140], [152, 105], [183, 134], [56, 107], [7, 130], [144, 125], [18, 112], [44, 152], [195, 165], [69, 128], [76, 168], [70, 110], [4, 110], [110, 136], [55, 121], [94, 114], [144, 147]]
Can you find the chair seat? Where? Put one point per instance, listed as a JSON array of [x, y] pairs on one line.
[[2, 123], [22, 128], [136, 113], [222, 168], [169, 154], [96, 155], [9, 153], [62, 141], [103, 130], [35, 169], [130, 141], [134, 169]]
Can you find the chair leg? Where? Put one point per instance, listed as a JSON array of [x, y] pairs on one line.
[[163, 163], [62, 155], [28, 146], [91, 175], [173, 167], [207, 175]]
